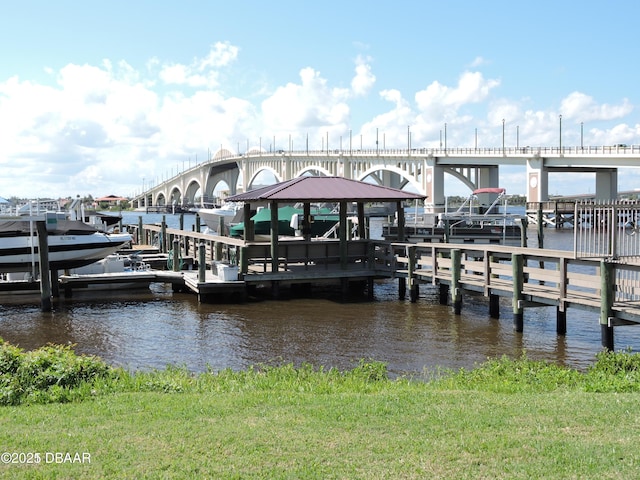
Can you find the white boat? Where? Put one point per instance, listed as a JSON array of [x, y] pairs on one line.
[[71, 244], [115, 271], [211, 216]]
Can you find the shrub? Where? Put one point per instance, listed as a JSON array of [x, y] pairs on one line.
[[614, 372], [52, 373]]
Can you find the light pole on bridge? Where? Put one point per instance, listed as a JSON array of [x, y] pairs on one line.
[[503, 136], [445, 137], [560, 133], [581, 135]]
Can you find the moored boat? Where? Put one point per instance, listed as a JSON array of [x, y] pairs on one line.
[[323, 220], [71, 244], [211, 216], [472, 222]]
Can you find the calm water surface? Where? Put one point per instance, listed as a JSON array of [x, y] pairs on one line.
[[152, 328]]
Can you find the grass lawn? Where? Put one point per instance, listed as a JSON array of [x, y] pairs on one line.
[[504, 419]]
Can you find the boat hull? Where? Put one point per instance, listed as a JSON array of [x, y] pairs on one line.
[[21, 253]]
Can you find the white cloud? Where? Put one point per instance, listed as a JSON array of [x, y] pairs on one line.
[[306, 106], [580, 106], [202, 72], [363, 81], [471, 88], [101, 129]]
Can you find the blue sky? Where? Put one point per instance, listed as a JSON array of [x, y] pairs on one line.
[[99, 97]]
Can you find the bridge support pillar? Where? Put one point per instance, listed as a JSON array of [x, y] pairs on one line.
[[606, 184], [433, 185], [488, 177], [537, 180]]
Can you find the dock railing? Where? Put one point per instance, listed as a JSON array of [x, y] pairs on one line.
[[256, 257], [532, 277]]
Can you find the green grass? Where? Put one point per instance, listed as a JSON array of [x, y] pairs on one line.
[[504, 419]]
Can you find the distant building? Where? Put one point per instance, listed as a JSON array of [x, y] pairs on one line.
[[112, 200]]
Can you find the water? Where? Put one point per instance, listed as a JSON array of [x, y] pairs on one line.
[[152, 328]]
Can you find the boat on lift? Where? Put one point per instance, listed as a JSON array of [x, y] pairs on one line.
[[474, 221], [71, 243], [211, 216]]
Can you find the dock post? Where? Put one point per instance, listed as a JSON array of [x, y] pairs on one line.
[[55, 284], [197, 225], [141, 240], [494, 305], [456, 292], [411, 276], [45, 279], [561, 321], [523, 232], [402, 288], [202, 263], [244, 261], [606, 303], [163, 240], [540, 220], [176, 255], [444, 293], [517, 262]]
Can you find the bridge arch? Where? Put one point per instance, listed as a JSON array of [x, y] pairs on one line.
[[405, 179], [262, 170], [193, 192], [462, 177], [160, 200], [175, 196], [219, 189], [320, 171]]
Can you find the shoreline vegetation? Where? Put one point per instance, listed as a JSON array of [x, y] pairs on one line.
[[64, 415]]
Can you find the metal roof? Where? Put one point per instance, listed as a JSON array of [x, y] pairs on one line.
[[324, 189]]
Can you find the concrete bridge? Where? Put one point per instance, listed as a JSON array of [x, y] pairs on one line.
[[419, 170]]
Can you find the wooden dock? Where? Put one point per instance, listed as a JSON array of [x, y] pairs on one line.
[[530, 277]]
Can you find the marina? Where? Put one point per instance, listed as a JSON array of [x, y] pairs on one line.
[[494, 280], [157, 326]]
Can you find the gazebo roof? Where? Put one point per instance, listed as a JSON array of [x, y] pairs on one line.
[[324, 189]]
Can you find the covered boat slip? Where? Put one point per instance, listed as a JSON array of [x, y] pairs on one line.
[[308, 190]]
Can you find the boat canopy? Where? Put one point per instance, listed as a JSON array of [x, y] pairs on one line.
[[497, 190], [63, 227]]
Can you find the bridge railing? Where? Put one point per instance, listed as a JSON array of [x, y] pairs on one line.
[[350, 151]]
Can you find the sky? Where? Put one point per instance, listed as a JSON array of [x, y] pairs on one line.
[[104, 97]]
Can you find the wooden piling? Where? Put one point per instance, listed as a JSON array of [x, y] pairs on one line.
[[494, 306], [606, 304], [561, 321], [517, 262], [411, 276], [202, 263], [402, 288], [444, 293], [456, 292], [163, 232], [45, 279], [175, 258]]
